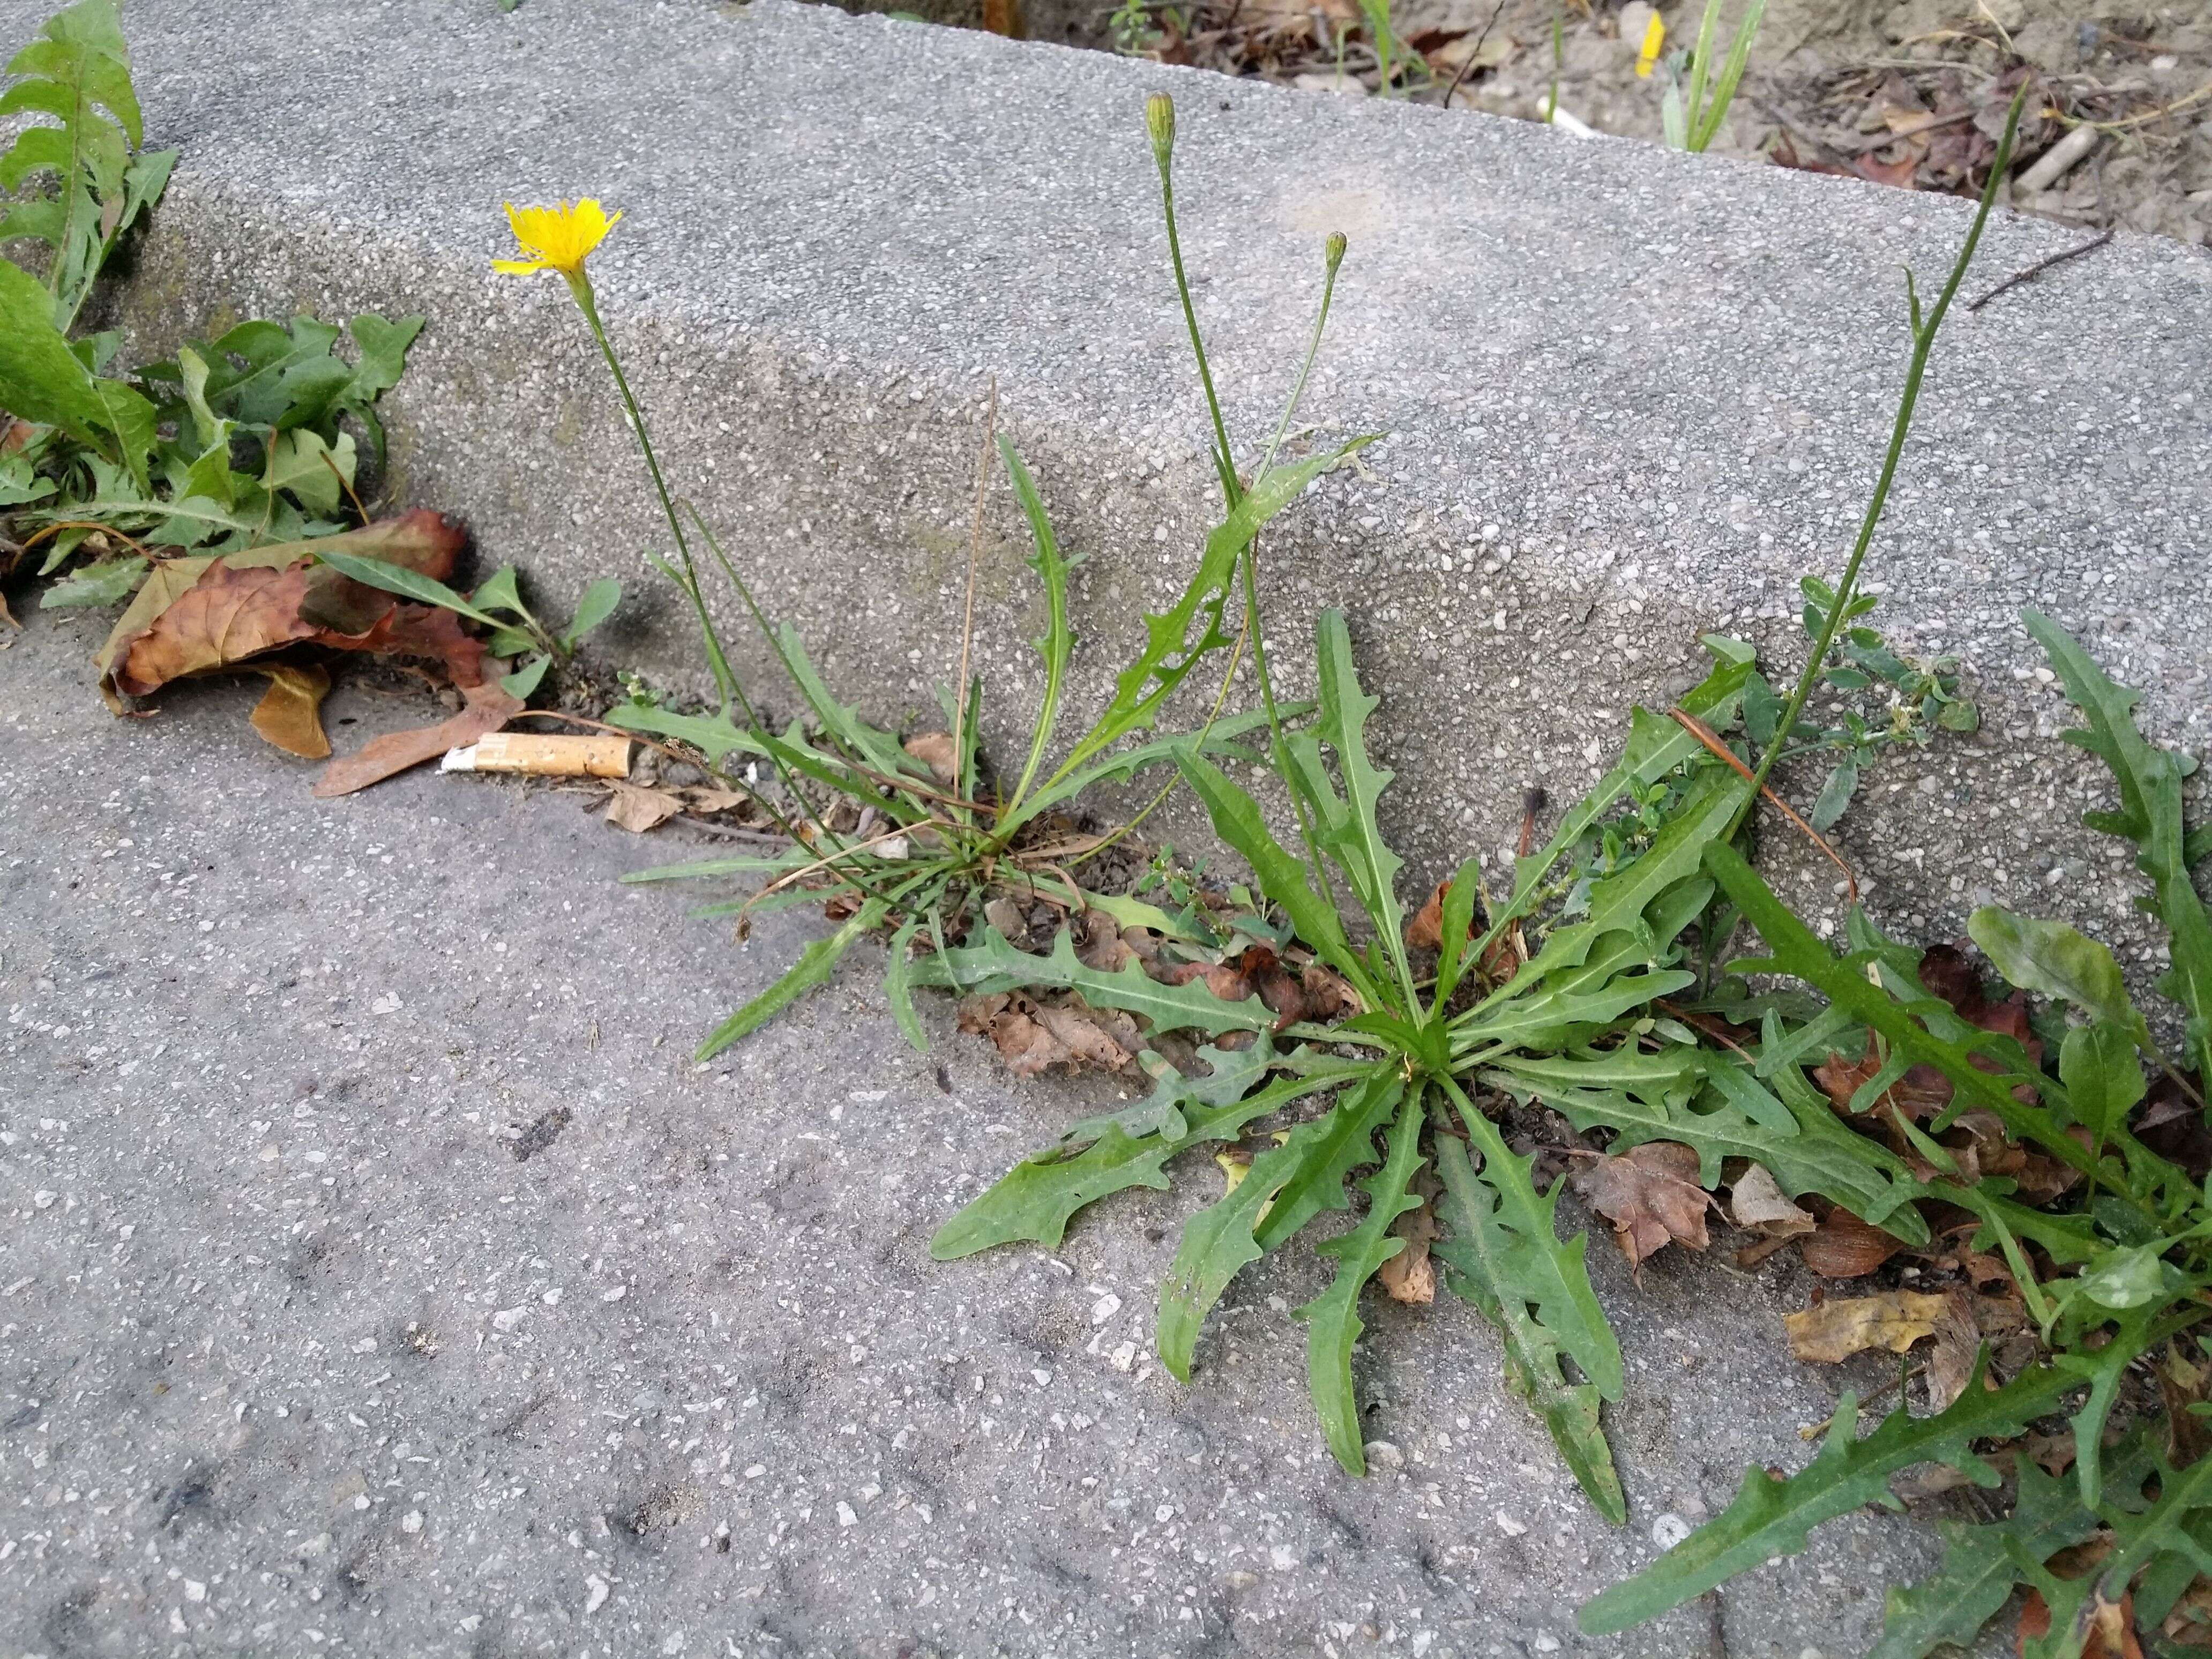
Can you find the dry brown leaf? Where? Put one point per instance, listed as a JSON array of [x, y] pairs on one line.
[[1842, 1326], [1958, 1344], [1651, 1196], [933, 749], [488, 708], [1098, 942], [230, 613], [633, 807], [1756, 1200], [289, 713], [1425, 932], [1411, 1275], [1844, 1247], [1031, 1037], [423, 541], [1327, 992], [2110, 1632], [704, 798], [424, 632]]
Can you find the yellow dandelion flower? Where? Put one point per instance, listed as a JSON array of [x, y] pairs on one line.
[[556, 237], [1655, 37]]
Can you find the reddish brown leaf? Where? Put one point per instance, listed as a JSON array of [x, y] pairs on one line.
[[1650, 1194], [226, 616], [1899, 174], [1425, 932], [488, 708], [424, 632], [1845, 1247], [1098, 942]]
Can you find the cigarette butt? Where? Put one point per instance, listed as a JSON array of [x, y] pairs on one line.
[[543, 756]]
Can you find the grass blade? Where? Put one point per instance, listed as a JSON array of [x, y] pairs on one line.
[[815, 965], [1057, 648]]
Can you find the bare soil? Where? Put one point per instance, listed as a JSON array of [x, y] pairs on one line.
[[1907, 93]]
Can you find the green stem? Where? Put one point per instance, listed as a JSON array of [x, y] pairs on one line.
[[1224, 457], [726, 681], [1924, 339]]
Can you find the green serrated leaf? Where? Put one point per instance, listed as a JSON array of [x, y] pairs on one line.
[[1283, 877], [2150, 815], [1773, 1515], [1798, 951], [1552, 1276], [1171, 650], [995, 965], [1815, 1154], [1037, 1198], [1480, 1254], [1220, 1240], [1333, 1318], [1356, 843], [1978, 1573]]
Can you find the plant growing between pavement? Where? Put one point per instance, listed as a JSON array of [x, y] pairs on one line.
[[913, 837], [235, 443], [1690, 118]]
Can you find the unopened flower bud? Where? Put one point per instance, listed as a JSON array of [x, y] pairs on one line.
[[1159, 121], [1333, 251]]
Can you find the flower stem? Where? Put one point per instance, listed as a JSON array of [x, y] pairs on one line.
[[726, 680], [1923, 340]]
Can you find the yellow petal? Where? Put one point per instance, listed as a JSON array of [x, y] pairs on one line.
[[519, 267]]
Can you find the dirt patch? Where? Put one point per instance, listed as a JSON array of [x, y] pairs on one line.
[[1905, 93]]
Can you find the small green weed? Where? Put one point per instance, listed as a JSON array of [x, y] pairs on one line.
[[914, 836], [240, 442], [1691, 116]]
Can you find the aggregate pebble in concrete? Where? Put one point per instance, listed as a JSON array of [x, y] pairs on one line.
[[381, 1276]]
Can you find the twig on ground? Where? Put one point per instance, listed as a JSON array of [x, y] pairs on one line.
[[1881, 139], [1473, 52], [2040, 267], [1705, 734]]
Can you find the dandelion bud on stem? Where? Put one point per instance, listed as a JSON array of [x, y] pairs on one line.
[[1333, 251], [1159, 121]]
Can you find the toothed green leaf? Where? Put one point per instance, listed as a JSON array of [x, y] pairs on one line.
[[1550, 1275], [1218, 1241], [1037, 1197], [995, 965], [1333, 1318], [1356, 841], [1773, 1515], [1479, 1254], [1977, 1574]]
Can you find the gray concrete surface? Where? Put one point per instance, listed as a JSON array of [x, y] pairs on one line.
[[1632, 396], [381, 1278]]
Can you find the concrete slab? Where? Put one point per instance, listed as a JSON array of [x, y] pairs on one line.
[[380, 1278], [1632, 395]]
